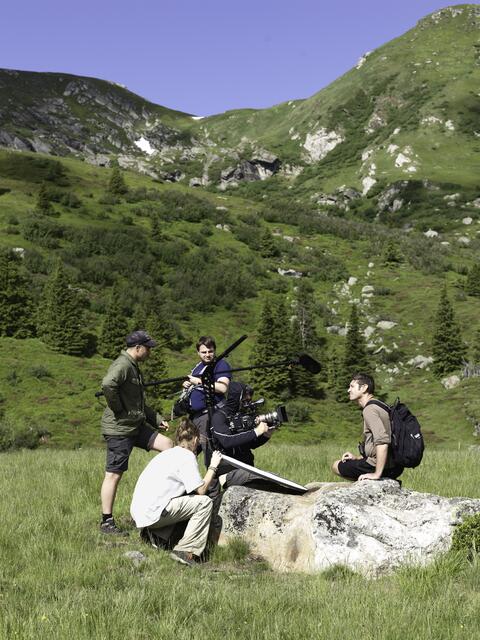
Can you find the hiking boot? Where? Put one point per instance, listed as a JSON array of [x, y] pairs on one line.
[[151, 538], [184, 557], [110, 527]]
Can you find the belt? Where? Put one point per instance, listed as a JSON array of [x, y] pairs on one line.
[[197, 414]]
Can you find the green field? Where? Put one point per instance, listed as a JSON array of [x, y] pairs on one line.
[[60, 578]]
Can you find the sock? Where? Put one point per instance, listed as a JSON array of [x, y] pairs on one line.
[[106, 516]]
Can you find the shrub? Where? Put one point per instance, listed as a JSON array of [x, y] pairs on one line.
[[299, 412], [13, 378], [383, 291], [26, 438], [466, 537], [39, 372]]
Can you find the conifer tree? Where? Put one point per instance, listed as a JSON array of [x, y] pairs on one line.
[[17, 314], [391, 254], [43, 204], [305, 339], [116, 184], [114, 327], [354, 357], [268, 248], [273, 344], [155, 367], [60, 316], [156, 233], [476, 348], [473, 281], [336, 382], [448, 349]]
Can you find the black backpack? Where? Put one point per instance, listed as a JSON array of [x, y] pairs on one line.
[[407, 443]]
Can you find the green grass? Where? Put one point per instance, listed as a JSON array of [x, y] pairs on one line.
[[60, 578]]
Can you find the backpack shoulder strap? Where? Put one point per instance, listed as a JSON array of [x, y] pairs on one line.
[[379, 403]]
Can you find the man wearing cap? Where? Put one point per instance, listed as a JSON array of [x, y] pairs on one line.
[[127, 421]]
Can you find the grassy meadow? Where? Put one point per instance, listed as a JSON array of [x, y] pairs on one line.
[[60, 578]]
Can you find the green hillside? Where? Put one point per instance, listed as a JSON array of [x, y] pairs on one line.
[[368, 191], [189, 264]]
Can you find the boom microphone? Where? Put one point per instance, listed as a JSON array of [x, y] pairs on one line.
[[308, 363]]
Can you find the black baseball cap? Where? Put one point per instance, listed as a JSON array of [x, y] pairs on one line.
[[140, 337]]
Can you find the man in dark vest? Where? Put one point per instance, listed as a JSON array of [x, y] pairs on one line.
[[198, 412]]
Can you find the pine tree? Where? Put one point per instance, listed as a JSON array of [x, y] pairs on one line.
[[272, 345], [155, 368], [354, 357], [43, 204], [448, 349], [473, 281], [391, 254], [305, 339], [60, 316], [116, 184], [114, 327], [336, 382], [17, 314], [156, 232], [476, 348], [268, 248]]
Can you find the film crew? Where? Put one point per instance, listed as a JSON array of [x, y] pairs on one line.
[[170, 490], [197, 405], [375, 459], [127, 421]]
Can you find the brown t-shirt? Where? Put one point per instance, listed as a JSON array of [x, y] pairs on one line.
[[376, 430]]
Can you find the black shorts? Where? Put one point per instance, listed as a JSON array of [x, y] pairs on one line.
[[119, 448], [352, 469]]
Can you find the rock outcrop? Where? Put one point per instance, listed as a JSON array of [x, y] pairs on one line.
[[372, 527]]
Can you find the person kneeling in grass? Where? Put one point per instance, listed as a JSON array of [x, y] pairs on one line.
[[170, 490]]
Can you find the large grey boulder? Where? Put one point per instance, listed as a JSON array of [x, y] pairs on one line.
[[371, 526]]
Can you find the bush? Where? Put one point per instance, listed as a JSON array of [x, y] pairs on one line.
[[382, 291], [39, 372], [299, 412], [27, 438], [466, 537]]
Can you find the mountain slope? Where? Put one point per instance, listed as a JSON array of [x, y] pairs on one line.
[[409, 109]]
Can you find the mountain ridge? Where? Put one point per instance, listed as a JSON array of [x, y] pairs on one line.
[[417, 88]]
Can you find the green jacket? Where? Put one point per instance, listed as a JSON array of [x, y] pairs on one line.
[[124, 393]]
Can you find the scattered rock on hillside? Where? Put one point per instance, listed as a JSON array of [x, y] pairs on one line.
[[451, 382], [290, 272], [371, 527], [420, 362], [385, 325], [431, 233], [321, 142]]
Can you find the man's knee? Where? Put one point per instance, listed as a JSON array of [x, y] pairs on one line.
[[161, 443], [205, 503], [113, 476], [335, 468]]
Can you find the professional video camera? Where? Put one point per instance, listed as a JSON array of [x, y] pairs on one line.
[[248, 417]]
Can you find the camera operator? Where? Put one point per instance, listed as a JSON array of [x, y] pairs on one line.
[[235, 445]]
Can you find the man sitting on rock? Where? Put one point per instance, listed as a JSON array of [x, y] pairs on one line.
[[170, 490], [375, 461]]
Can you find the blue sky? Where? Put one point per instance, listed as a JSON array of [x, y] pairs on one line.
[[204, 57]]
